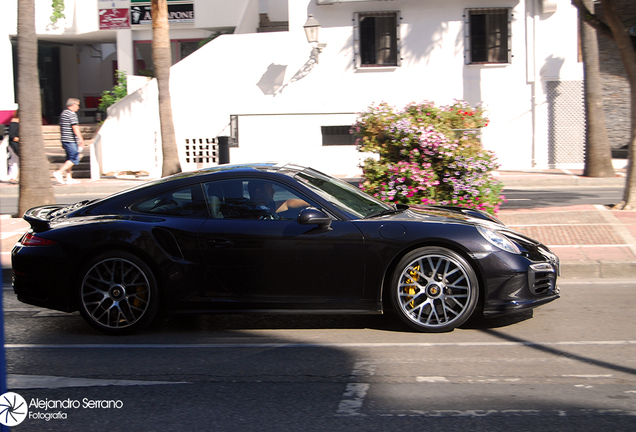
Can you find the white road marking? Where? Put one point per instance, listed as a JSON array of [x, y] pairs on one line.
[[10, 346], [514, 413], [16, 382], [431, 379], [589, 376], [352, 400], [363, 368]]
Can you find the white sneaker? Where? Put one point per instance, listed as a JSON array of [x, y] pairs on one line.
[[58, 177], [70, 181]]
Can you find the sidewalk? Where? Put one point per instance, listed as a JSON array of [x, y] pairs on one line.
[[591, 241]]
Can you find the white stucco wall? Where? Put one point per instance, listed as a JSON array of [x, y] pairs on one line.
[[131, 143], [282, 97], [84, 71], [218, 13], [8, 23], [261, 78]]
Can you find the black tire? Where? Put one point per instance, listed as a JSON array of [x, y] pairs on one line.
[[118, 293], [434, 289]]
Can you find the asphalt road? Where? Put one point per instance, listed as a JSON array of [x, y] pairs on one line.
[[570, 365]]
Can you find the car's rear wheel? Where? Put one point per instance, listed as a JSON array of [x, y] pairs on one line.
[[118, 293], [434, 289]]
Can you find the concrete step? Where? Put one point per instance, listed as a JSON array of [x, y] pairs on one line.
[[57, 157], [51, 134]]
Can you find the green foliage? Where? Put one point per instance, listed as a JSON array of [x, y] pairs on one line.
[[119, 91], [428, 155], [58, 10], [211, 38]]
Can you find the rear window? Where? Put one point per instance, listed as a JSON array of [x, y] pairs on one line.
[[181, 202]]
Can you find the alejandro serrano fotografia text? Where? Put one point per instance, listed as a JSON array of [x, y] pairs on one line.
[[46, 404]]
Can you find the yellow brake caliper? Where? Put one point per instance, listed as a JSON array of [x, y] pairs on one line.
[[414, 277]]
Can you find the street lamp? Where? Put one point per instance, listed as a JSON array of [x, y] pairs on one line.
[[312, 28]]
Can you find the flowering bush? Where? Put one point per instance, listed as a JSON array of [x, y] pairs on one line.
[[428, 155]]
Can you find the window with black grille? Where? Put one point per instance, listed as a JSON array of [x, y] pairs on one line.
[[488, 35], [377, 39], [337, 135]]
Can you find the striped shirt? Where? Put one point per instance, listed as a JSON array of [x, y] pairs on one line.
[[67, 120]]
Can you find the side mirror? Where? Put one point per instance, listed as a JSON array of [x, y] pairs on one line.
[[313, 216]]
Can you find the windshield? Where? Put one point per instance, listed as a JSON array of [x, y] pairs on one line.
[[343, 195]]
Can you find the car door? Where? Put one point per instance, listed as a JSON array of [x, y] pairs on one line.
[[256, 255], [179, 212]]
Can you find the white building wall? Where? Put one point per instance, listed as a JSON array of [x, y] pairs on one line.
[[277, 10], [7, 96], [282, 98], [8, 26], [127, 143], [84, 71], [219, 13], [125, 52], [557, 59]]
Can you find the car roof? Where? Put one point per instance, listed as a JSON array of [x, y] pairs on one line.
[[266, 167], [283, 168]]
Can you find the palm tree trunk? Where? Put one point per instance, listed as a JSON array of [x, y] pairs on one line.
[[35, 179], [598, 154], [162, 59], [628, 55]]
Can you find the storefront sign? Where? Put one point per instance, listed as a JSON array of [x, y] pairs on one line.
[[114, 14], [177, 13]]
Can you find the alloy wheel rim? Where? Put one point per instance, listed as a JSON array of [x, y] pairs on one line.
[[434, 290], [115, 293]]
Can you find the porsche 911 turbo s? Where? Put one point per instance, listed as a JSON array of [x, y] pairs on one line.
[[272, 238]]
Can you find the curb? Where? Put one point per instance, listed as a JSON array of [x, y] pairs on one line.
[[598, 270], [543, 181]]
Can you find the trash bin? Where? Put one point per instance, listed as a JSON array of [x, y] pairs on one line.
[[224, 149]]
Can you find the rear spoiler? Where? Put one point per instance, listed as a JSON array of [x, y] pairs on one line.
[[39, 217]]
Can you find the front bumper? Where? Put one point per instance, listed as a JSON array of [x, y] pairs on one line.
[[517, 283]]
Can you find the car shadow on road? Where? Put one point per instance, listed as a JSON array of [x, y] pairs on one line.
[[551, 349], [479, 322], [388, 321], [203, 322]]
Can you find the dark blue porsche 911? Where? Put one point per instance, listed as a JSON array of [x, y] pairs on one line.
[[273, 238]]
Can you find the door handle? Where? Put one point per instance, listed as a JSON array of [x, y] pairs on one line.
[[219, 243]]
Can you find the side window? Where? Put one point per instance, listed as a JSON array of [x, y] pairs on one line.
[[253, 199], [488, 35], [376, 38], [181, 202]]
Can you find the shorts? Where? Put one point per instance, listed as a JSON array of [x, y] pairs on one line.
[[72, 152]]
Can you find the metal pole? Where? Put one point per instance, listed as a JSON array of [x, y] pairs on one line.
[[3, 362]]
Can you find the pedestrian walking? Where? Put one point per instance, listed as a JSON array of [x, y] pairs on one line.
[[72, 141], [14, 147]]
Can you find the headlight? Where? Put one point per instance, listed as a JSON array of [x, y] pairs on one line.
[[498, 239]]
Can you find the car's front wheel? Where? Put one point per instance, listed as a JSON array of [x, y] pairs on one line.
[[118, 293], [434, 289]]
